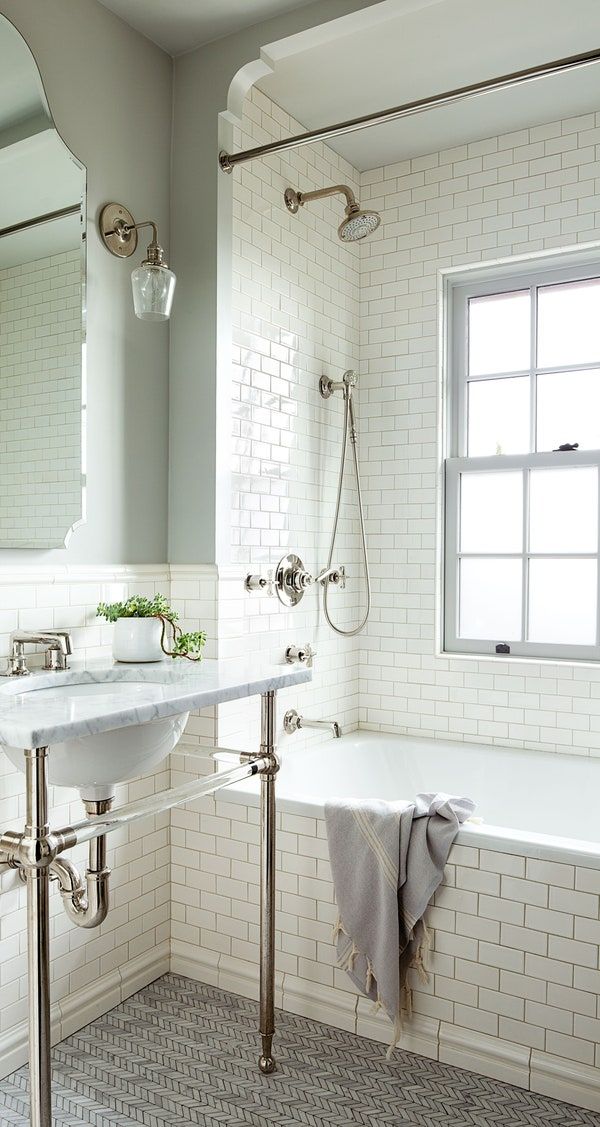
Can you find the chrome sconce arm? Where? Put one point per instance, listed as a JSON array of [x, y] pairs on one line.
[[152, 282]]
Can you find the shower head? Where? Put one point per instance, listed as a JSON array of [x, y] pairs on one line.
[[356, 225]]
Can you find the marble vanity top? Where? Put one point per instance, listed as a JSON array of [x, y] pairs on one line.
[[39, 710]]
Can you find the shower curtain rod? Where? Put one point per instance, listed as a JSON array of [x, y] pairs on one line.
[[39, 219], [228, 161]]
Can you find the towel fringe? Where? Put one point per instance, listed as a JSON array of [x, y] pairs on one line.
[[338, 929], [419, 962], [395, 1036], [348, 960]]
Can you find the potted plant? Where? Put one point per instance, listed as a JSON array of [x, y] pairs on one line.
[[144, 626]]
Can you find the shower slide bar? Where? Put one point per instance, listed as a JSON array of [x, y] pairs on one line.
[[228, 161], [34, 851]]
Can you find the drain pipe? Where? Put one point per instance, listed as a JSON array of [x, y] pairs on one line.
[[86, 902]]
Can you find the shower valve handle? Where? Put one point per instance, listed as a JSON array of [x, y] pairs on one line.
[[259, 583], [302, 654], [335, 575]]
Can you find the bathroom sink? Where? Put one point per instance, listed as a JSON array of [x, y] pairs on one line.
[[105, 723], [95, 763]]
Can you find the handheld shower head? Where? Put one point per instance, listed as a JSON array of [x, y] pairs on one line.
[[356, 225]]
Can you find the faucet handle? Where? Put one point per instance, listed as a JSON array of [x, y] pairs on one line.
[[302, 655]]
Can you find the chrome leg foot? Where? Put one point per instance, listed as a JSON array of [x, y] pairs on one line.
[[266, 1062]]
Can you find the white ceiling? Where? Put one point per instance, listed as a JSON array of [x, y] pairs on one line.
[[180, 25], [410, 49]]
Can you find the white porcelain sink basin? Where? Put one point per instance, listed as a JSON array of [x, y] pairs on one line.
[[95, 763]]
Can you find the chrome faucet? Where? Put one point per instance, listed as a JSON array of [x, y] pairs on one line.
[[292, 722], [57, 645]]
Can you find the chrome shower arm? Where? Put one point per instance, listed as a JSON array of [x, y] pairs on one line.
[[334, 190]]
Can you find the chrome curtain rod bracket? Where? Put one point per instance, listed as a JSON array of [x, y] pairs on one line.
[[228, 161]]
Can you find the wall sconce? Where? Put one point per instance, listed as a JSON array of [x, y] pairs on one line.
[[152, 282]]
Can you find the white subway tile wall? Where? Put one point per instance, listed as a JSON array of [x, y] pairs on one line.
[[515, 944], [40, 399], [91, 970], [530, 191], [295, 318], [515, 960]]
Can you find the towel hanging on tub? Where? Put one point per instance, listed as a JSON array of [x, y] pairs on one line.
[[387, 859]]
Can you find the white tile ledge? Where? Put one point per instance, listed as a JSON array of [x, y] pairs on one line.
[[27, 575], [566, 1080]]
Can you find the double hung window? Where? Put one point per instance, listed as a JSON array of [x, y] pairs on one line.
[[522, 481]]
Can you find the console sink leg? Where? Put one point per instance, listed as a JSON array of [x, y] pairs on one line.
[[266, 1062], [38, 946]]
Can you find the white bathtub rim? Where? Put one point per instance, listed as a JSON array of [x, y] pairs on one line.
[[542, 847]]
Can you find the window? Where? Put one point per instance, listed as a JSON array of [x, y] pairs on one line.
[[522, 527]]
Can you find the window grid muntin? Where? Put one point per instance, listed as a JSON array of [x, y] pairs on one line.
[[532, 372]]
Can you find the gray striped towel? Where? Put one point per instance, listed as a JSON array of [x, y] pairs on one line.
[[387, 860]]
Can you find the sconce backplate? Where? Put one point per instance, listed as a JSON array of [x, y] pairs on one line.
[[114, 223]]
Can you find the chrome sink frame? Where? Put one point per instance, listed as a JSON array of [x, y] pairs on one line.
[[36, 852]]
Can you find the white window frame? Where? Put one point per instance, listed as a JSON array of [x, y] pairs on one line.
[[460, 287]]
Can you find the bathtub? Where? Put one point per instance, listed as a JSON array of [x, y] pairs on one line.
[[528, 802], [515, 963]]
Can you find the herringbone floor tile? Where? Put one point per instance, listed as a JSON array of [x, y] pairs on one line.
[[180, 1053]]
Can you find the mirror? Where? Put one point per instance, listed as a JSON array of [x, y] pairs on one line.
[[42, 309]]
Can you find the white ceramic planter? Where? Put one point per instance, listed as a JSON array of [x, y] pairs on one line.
[[137, 639]]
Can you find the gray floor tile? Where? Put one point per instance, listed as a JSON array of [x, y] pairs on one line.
[[180, 1053]]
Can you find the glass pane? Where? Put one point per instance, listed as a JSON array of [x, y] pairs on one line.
[[563, 510], [568, 409], [498, 417], [562, 601], [499, 333], [569, 324], [491, 512], [490, 599]]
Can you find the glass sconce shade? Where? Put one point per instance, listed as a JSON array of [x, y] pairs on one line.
[[153, 289]]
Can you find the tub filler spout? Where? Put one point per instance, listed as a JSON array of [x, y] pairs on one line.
[[292, 722]]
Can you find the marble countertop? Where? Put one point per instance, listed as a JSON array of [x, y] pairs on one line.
[[30, 717]]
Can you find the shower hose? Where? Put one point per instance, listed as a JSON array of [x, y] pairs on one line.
[[349, 429]]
